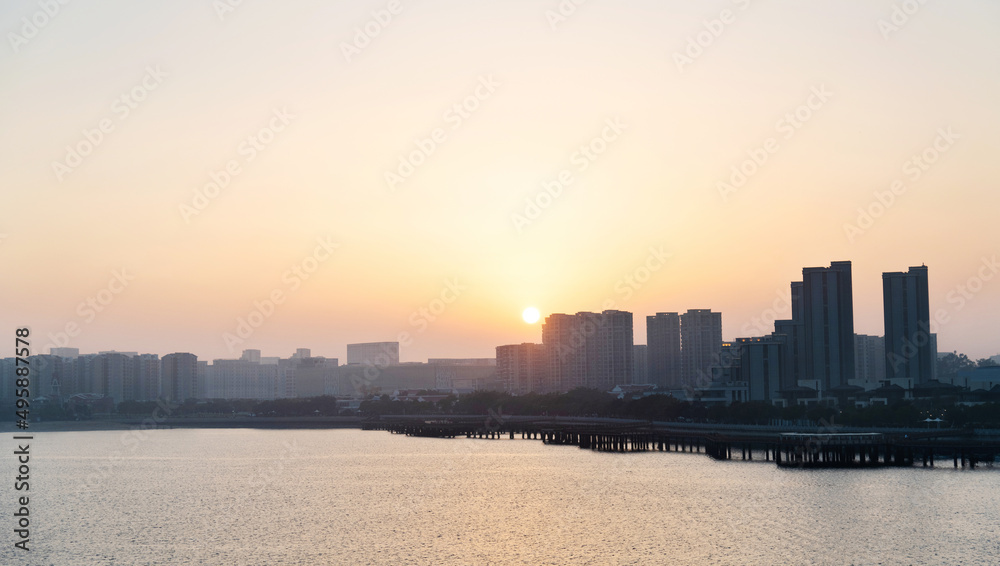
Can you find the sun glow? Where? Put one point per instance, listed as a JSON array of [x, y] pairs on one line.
[[530, 315]]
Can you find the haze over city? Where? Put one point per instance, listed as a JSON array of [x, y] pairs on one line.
[[557, 161]]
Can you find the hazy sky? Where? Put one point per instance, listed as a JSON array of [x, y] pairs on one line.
[[486, 104]]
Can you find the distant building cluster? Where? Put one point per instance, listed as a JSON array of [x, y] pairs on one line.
[[111, 377], [814, 357]]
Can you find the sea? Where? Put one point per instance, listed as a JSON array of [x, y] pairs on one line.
[[346, 496]]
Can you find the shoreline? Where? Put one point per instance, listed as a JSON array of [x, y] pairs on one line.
[[127, 423]]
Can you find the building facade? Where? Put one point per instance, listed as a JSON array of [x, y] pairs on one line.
[[663, 354], [586, 349], [380, 354], [906, 309], [701, 344], [828, 317]]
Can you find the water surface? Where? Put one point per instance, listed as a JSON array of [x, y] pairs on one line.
[[243, 496]]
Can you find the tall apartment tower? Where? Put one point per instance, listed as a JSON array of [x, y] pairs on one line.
[[179, 377], [701, 343], [869, 358], [640, 364], [567, 337], [828, 316], [589, 349], [663, 350], [524, 368], [147, 377], [379, 354], [616, 354], [794, 330], [906, 308]]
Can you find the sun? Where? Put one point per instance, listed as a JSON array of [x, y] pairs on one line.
[[530, 315]]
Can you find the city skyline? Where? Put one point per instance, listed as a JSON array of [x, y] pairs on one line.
[[353, 185], [517, 281], [756, 327]]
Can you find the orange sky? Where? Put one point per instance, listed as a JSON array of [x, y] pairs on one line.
[[496, 154]]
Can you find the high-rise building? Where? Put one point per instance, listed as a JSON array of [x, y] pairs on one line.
[[640, 364], [72, 353], [762, 364], [524, 368], [615, 360], [588, 349], [663, 355], [906, 308], [240, 379], [251, 356], [701, 343], [795, 344], [179, 377], [114, 375], [869, 359], [312, 377], [490, 362], [381, 354], [828, 315], [147, 377], [566, 337]]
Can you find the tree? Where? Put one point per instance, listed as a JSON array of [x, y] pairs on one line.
[[951, 363]]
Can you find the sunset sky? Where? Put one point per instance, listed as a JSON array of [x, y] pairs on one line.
[[312, 116]]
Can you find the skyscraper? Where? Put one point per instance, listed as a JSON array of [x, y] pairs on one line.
[[380, 354], [615, 358], [701, 342], [869, 358], [114, 373], [524, 368], [640, 364], [147, 377], [179, 377], [663, 355], [589, 349], [566, 335], [906, 308], [828, 315], [762, 363]]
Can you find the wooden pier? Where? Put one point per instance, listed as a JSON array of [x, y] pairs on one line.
[[785, 449]]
